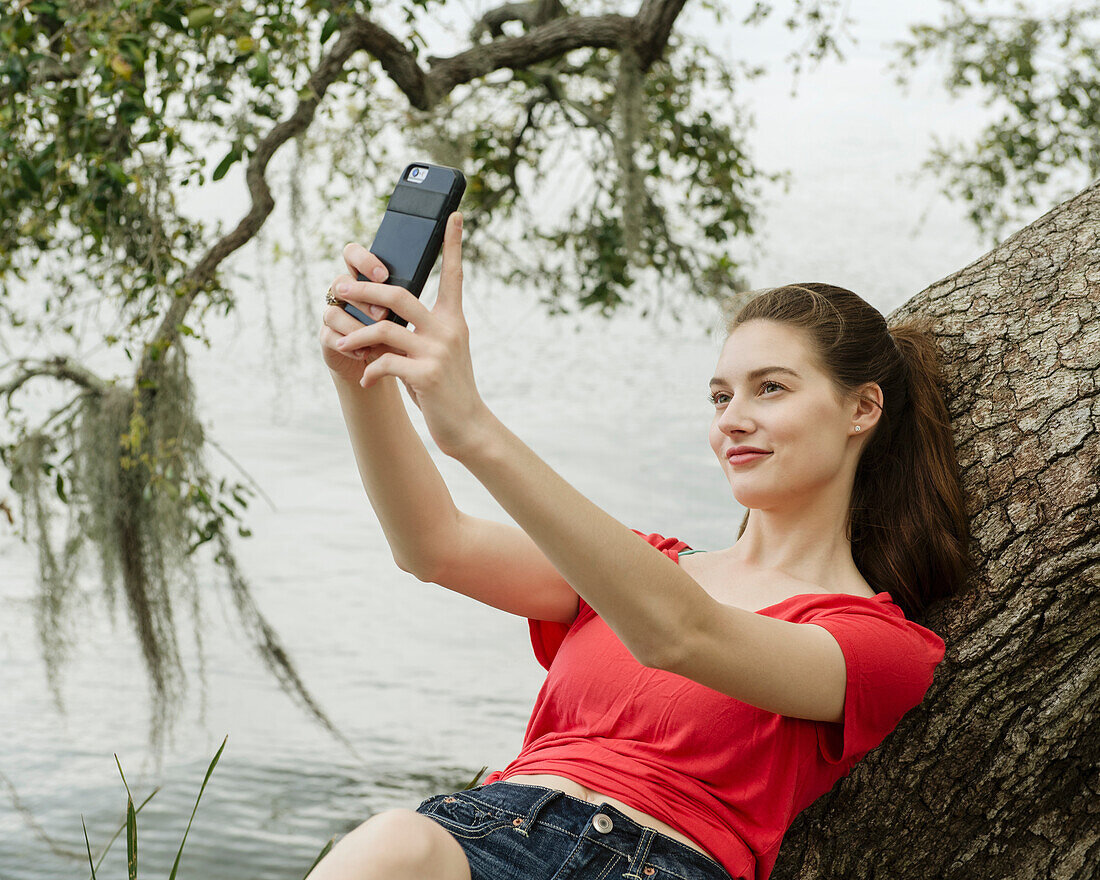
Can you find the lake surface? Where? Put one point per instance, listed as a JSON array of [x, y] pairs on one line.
[[428, 685]]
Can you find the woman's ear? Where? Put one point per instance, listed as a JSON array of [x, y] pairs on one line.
[[868, 407]]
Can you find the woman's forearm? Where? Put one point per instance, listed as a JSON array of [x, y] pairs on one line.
[[404, 486]]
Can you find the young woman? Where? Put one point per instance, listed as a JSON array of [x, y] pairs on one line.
[[695, 702]]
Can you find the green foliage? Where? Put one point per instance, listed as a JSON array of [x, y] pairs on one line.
[[690, 154], [1040, 75], [107, 109], [822, 22]]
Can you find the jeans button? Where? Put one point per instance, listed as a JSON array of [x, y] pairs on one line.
[[649, 870], [602, 823]]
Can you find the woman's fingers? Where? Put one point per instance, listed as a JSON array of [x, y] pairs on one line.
[[352, 323], [364, 294], [399, 339], [340, 322], [359, 259], [330, 339]]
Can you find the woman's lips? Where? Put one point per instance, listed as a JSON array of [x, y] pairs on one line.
[[746, 457]]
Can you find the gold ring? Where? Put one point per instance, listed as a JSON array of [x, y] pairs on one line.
[[332, 299]]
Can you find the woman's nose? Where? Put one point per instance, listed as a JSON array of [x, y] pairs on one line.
[[734, 418]]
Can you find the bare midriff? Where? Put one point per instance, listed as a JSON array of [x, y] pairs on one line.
[[562, 783]]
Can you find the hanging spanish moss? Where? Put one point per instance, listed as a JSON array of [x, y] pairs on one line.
[[140, 493], [29, 465], [303, 298], [629, 99]]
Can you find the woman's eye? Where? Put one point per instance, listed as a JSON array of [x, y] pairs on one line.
[[713, 397]]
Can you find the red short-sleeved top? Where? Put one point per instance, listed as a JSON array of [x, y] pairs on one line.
[[730, 776]]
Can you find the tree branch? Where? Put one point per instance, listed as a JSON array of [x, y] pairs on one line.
[[550, 40], [532, 13], [653, 25], [60, 368], [328, 71]]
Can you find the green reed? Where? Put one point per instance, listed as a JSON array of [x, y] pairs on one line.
[[130, 827]]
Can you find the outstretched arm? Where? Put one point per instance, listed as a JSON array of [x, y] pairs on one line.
[[662, 616], [665, 619]]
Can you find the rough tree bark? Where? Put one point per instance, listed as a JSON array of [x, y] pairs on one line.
[[996, 775]]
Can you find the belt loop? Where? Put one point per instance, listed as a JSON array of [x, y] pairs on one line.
[[521, 825], [641, 854]]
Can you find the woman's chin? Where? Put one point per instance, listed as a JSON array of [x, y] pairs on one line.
[[751, 500]]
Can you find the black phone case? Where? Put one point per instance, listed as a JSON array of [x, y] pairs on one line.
[[411, 234]]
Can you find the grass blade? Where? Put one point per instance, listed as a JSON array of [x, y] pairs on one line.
[[89, 846], [320, 855], [209, 770], [131, 839], [121, 827], [131, 827], [123, 775], [473, 782]]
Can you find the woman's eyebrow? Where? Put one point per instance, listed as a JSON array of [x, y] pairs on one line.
[[717, 380]]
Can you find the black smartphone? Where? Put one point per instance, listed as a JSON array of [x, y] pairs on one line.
[[411, 234]]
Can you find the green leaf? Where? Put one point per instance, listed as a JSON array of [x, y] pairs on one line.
[[328, 30], [477, 776], [89, 846], [131, 827], [209, 770], [26, 171], [261, 70], [60, 484], [118, 831], [131, 840], [320, 855], [169, 17], [226, 163], [200, 16], [118, 173]]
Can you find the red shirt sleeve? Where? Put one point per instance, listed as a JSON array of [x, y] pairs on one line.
[[547, 635], [889, 662]]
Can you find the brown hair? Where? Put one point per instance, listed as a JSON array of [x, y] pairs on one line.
[[907, 518]]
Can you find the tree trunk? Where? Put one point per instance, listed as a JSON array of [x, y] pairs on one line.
[[995, 774]]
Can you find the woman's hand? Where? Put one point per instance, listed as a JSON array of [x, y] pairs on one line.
[[336, 323], [433, 360]]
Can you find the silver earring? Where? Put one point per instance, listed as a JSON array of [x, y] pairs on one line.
[[857, 427]]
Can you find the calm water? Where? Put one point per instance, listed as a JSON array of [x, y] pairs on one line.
[[428, 685]]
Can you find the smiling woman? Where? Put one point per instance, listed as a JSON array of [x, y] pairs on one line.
[[861, 408], [691, 709]]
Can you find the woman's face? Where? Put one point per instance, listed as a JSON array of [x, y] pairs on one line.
[[795, 419]]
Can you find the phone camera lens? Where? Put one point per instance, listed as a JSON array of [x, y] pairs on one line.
[[418, 174]]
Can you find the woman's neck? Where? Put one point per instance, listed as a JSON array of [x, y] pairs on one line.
[[807, 552]]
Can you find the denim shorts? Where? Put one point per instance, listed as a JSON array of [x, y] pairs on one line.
[[511, 831]]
